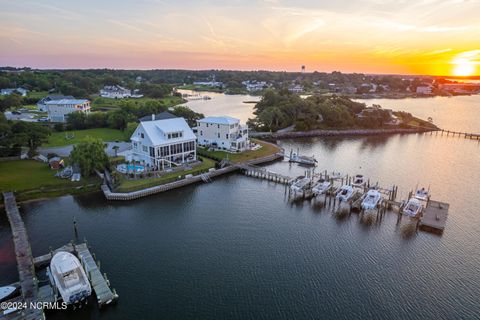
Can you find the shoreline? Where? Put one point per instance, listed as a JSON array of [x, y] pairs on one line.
[[332, 133]]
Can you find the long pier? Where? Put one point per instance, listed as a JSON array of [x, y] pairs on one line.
[[26, 268], [466, 135]]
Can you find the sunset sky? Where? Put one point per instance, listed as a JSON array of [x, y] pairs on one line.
[[440, 37]]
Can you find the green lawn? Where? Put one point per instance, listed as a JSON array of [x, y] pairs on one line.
[[38, 94], [196, 87], [58, 139], [106, 104], [21, 175], [132, 185], [266, 150]]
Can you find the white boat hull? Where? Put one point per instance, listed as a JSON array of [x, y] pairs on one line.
[[70, 278], [6, 292]]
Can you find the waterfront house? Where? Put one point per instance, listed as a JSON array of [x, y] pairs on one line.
[[21, 91], [42, 104], [254, 86], [296, 88], [163, 143], [426, 90], [224, 133], [160, 116], [58, 110], [118, 92]]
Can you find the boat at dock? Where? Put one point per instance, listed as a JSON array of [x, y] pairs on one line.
[[6, 292], [321, 187], [422, 194], [371, 200], [359, 181], [69, 278], [345, 193], [300, 185], [412, 208]]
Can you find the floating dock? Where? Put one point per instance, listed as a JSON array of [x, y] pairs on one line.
[[434, 217]]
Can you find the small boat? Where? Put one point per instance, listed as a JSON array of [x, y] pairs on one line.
[[70, 278], [358, 181], [422, 194], [345, 193], [413, 207], [321, 187], [300, 185], [302, 160], [371, 200], [6, 292]]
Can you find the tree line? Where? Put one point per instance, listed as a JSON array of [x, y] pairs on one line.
[[281, 109]]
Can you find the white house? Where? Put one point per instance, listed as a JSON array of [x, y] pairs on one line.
[[253, 86], [58, 110], [295, 88], [118, 92], [163, 143], [424, 90], [21, 91], [222, 133], [42, 104]]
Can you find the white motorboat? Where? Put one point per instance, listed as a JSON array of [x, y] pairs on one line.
[[422, 194], [358, 181], [300, 185], [6, 292], [345, 193], [321, 187], [336, 175], [70, 278], [371, 199], [413, 207]]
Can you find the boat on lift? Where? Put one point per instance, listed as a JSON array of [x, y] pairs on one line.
[[412, 208], [371, 200], [422, 194], [70, 278], [300, 185], [321, 187], [345, 193], [359, 181]]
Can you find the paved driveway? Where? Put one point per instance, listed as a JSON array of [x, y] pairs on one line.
[[65, 150]]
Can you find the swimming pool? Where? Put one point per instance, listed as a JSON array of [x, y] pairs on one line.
[[124, 168]]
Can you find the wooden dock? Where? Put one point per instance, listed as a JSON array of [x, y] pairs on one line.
[[23, 253], [434, 217], [466, 135], [99, 282]]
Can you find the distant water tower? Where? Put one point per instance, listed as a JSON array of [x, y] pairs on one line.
[[303, 69]]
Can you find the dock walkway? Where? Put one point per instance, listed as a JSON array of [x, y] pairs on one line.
[[434, 217], [98, 281], [23, 253]]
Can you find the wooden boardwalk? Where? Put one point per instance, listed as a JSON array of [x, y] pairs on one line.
[[434, 216], [23, 253]]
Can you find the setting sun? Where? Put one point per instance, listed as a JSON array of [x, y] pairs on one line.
[[463, 69]]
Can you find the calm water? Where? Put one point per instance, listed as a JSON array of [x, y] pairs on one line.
[[235, 249]]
